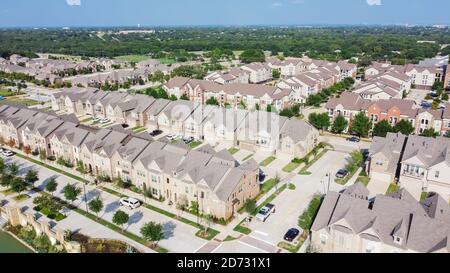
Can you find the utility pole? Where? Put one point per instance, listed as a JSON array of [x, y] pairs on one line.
[[85, 198]]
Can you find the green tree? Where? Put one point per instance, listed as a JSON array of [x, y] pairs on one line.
[[269, 108], [252, 55], [18, 184], [306, 220], [120, 218], [184, 97], [43, 155], [96, 205], [320, 121], [71, 192], [276, 74], [194, 208], [339, 125], [31, 177], [405, 127], [212, 101], [2, 166], [13, 169], [51, 185], [430, 133], [152, 232], [286, 112], [361, 125], [445, 96], [382, 128], [250, 206]]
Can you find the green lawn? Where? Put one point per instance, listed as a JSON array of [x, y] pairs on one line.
[[268, 185], [363, 179], [248, 157], [133, 58], [139, 129], [86, 120], [292, 187], [267, 161], [167, 61], [233, 150], [229, 238], [291, 167], [21, 197], [22, 101], [6, 93], [293, 248], [242, 229], [423, 196], [195, 144], [304, 170], [392, 188]]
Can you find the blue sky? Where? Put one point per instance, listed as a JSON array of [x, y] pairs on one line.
[[57, 13]]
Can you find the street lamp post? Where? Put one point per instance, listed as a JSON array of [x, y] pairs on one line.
[[85, 198]]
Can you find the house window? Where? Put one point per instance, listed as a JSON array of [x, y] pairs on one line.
[[323, 239], [436, 174], [154, 191]]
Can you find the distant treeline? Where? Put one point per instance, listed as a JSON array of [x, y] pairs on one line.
[[397, 44]]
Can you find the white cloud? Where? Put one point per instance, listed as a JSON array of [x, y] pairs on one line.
[[73, 2], [277, 4], [374, 2]]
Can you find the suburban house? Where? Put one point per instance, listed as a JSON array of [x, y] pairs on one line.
[[174, 115], [235, 75], [425, 165], [384, 157], [350, 222], [297, 138]]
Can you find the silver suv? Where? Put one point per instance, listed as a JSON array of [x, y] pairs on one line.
[[130, 202]]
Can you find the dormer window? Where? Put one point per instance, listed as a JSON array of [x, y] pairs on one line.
[[398, 240]]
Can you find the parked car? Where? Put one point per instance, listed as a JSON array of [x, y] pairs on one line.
[[262, 175], [188, 140], [125, 125], [265, 212], [342, 173], [291, 234], [1, 150], [2, 98], [171, 137], [353, 139], [95, 120], [130, 202], [103, 121], [7, 153], [156, 133]]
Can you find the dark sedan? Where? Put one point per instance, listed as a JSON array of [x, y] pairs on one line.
[[341, 173], [353, 139], [291, 234], [156, 133]]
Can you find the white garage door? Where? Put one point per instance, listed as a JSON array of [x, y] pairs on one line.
[[382, 177]]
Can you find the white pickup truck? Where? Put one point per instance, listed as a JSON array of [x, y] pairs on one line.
[[265, 212]]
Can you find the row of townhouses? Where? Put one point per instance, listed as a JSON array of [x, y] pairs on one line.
[[419, 164], [54, 71], [393, 110], [212, 179], [351, 222], [251, 130], [294, 66], [386, 85], [422, 75], [233, 94]]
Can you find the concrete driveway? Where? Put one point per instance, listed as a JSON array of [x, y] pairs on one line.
[[341, 144], [179, 237], [291, 203], [377, 186]]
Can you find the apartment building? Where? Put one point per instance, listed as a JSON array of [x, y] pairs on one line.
[[215, 180], [235, 75], [259, 72], [351, 222], [393, 110]]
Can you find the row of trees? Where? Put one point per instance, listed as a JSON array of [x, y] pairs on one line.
[[324, 94], [361, 125]]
